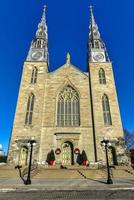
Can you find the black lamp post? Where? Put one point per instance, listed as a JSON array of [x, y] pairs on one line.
[[105, 142], [31, 143]]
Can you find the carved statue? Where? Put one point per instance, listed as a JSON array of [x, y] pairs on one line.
[[68, 58]]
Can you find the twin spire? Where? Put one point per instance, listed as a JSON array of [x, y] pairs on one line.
[[43, 19], [96, 44], [42, 26], [39, 46], [93, 29]]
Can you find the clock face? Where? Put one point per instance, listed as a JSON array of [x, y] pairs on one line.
[[36, 55], [98, 57]]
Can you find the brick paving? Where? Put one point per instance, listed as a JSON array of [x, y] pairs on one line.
[[71, 195]]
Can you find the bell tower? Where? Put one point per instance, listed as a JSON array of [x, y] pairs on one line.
[[105, 112], [39, 46], [29, 111]]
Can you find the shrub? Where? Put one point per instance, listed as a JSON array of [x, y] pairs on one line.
[[3, 159], [52, 156], [84, 156]]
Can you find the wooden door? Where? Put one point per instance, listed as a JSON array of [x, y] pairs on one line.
[[66, 154]]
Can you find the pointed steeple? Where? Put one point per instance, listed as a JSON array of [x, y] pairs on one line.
[[39, 46], [94, 31], [97, 50], [42, 26]]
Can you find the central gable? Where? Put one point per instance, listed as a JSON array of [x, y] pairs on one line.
[[69, 68]]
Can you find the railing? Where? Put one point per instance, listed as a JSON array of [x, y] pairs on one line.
[[23, 174]]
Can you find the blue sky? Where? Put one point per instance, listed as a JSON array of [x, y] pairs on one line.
[[68, 22]]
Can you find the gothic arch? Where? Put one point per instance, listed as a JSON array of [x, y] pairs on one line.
[[106, 110], [102, 76], [114, 155], [23, 155], [97, 44], [34, 75], [67, 152], [68, 107], [30, 108], [64, 84]]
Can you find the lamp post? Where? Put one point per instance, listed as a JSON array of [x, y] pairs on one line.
[[105, 142], [31, 143]]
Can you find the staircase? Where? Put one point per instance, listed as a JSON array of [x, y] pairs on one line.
[[72, 172]]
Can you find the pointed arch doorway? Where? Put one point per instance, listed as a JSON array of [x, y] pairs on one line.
[[114, 160], [23, 156], [67, 153]]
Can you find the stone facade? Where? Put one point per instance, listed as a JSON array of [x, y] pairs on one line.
[[45, 128]]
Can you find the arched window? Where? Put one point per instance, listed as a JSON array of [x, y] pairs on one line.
[[38, 43], [29, 112], [34, 75], [102, 78], [68, 108], [106, 110], [96, 43]]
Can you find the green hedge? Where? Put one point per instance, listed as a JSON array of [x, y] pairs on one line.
[[3, 159]]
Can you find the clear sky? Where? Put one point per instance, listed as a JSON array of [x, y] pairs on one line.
[[68, 22]]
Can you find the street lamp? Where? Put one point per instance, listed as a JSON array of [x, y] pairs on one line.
[[105, 142], [31, 143]]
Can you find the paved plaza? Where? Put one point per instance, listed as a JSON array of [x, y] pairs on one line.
[[67, 184]]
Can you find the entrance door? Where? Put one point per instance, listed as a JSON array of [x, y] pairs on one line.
[[113, 156], [23, 156], [67, 153]]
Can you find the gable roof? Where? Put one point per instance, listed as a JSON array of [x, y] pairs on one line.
[[68, 66]]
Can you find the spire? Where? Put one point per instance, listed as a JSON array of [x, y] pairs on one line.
[[39, 46], [42, 26], [96, 44], [92, 16], [43, 19], [94, 31]]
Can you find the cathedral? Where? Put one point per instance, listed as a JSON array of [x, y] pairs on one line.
[[67, 111]]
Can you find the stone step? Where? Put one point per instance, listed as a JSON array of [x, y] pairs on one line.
[[69, 173], [57, 174], [122, 173]]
